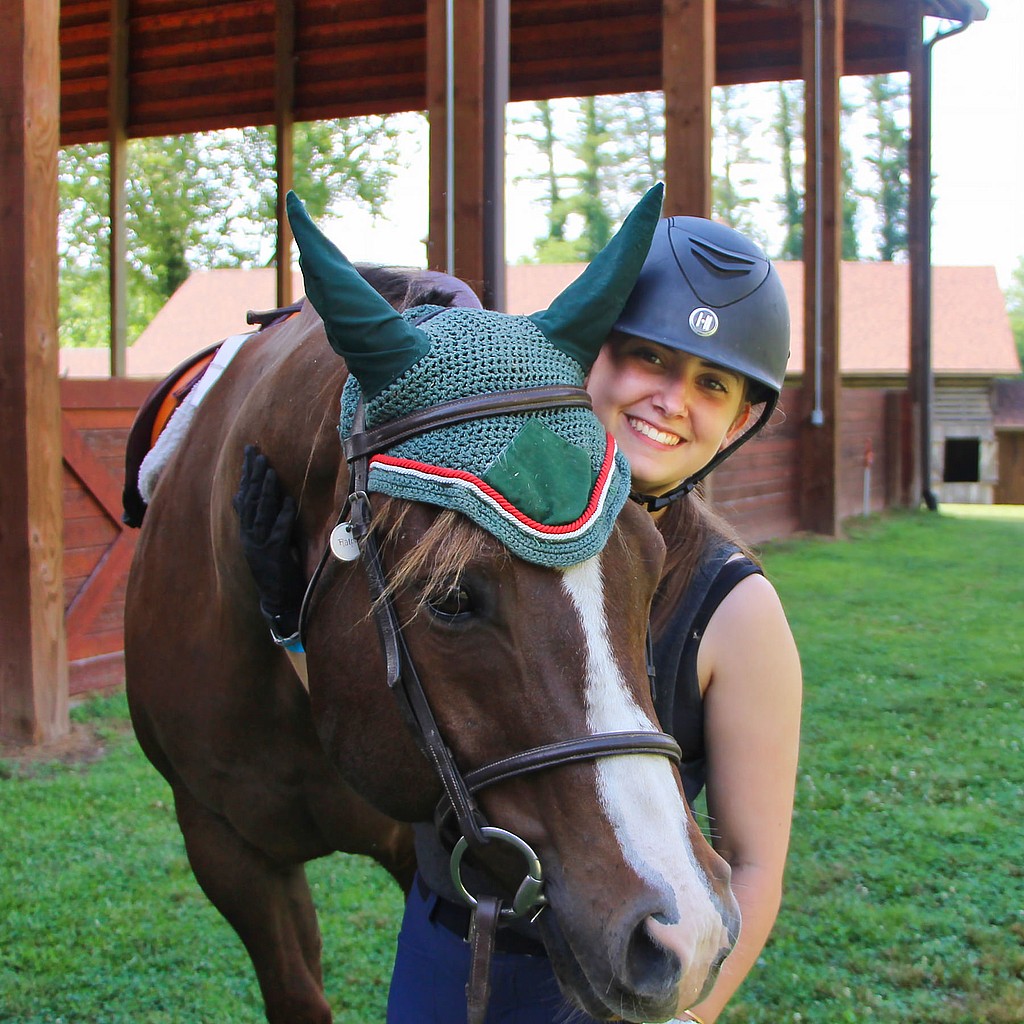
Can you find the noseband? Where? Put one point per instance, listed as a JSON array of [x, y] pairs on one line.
[[354, 538]]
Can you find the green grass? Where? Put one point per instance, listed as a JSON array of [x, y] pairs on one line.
[[905, 889]]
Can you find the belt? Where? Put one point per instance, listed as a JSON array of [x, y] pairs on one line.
[[455, 918]]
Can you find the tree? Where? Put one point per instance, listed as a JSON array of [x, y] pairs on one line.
[[1015, 305], [887, 103], [354, 159], [589, 202], [788, 130], [732, 201], [850, 196], [199, 201], [580, 188], [635, 123], [557, 213]]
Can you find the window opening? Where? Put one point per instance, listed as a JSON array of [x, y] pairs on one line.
[[962, 460]]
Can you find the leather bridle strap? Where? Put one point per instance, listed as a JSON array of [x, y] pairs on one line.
[[404, 683], [370, 442], [483, 930], [563, 752], [586, 748]]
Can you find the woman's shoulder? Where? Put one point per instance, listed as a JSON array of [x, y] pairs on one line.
[[752, 601], [749, 631]]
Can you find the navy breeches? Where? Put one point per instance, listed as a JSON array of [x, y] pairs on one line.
[[428, 985]]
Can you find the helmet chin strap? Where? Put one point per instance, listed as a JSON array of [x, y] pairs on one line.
[[657, 502]]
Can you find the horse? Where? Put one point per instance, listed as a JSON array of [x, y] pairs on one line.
[[457, 668]]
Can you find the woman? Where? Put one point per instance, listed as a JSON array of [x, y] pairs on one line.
[[692, 370]]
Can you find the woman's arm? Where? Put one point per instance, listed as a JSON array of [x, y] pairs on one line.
[[750, 673]]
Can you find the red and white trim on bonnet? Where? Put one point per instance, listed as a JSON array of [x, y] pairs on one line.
[[461, 479]]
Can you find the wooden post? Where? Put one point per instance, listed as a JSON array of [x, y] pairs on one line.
[[820, 398], [284, 159], [117, 131], [917, 477], [33, 664], [467, 89], [688, 75]]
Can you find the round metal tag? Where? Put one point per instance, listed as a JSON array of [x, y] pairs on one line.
[[343, 544], [704, 321]]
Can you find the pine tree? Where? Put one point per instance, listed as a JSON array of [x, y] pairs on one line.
[[732, 202], [579, 188], [635, 123], [850, 196], [887, 105], [788, 130], [589, 201]]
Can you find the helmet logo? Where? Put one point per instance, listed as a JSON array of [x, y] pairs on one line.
[[704, 321]]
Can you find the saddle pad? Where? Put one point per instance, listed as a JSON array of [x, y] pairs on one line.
[[177, 427], [150, 420]]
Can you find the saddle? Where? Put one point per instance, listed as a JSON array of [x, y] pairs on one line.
[[162, 402]]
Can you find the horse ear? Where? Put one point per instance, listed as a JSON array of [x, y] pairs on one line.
[[578, 321], [362, 326]]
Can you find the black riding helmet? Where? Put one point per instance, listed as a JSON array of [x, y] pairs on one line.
[[707, 290]]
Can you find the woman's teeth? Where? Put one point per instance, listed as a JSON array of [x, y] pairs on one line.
[[645, 428]]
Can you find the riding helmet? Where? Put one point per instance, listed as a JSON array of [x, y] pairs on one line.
[[707, 290]]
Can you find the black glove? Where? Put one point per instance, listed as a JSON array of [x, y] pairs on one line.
[[267, 519]]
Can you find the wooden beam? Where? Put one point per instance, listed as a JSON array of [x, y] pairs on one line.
[[688, 74], [117, 129], [284, 150], [467, 88], [497, 58], [33, 664], [917, 473], [823, 223]]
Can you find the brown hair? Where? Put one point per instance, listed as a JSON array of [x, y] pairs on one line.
[[687, 526]]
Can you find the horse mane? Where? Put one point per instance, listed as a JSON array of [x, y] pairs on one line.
[[404, 288]]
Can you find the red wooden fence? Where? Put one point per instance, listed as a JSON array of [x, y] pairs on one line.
[[95, 417]]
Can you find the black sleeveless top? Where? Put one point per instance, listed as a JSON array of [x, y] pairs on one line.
[[678, 700]]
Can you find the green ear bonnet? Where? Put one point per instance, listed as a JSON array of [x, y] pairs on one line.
[[548, 484]]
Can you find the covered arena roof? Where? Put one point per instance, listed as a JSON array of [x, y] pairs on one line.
[[207, 64]]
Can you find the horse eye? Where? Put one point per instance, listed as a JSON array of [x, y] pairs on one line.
[[452, 604]]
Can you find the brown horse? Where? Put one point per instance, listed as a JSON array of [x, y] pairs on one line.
[[513, 656]]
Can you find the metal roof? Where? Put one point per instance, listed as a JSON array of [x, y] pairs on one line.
[[205, 64]]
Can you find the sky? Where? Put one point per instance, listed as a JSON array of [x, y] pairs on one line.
[[978, 142], [977, 161]]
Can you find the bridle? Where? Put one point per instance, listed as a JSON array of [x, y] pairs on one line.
[[354, 537]]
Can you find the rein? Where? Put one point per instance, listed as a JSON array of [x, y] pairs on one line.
[[352, 538]]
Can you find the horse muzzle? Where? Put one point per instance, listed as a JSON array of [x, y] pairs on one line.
[[638, 963]]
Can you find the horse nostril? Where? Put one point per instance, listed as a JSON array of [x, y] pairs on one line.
[[651, 966]]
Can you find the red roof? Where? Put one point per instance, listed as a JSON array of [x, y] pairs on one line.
[[970, 331]]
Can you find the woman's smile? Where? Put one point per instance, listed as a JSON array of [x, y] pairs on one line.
[[651, 431]]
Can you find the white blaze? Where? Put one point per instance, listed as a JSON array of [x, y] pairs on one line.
[[638, 792]]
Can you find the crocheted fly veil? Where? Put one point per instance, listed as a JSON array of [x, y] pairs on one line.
[[548, 484]]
